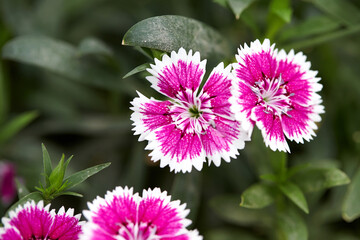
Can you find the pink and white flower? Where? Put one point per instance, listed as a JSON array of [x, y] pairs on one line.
[[277, 92], [195, 123], [124, 215], [34, 221]]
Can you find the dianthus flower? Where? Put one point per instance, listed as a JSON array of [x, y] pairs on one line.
[[195, 123], [34, 221], [123, 215], [277, 92]]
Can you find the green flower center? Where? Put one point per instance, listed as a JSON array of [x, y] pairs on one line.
[[194, 112]]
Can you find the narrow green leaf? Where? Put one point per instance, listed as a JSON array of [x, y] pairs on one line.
[[294, 193], [308, 27], [22, 191], [227, 208], [58, 57], [345, 11], [282, 9], [238, 6], [47, 164], [71, 194], [351, 206], [169, 33], [187, 188], [316, 179], [229, 234], [90, 46], [36, 196], [138, 69], [57, 175], [221, 2], [9, 129], [81, 176], [270, 177], [323, 38], [279, 14], [3, 95], [278, 162], [258, 195], [291, 226]]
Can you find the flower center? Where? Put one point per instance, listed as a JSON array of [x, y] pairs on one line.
[[192, 116], [273, 95], [194, 112], [138, 231]]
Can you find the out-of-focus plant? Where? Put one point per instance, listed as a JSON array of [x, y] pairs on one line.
[[55, 183]]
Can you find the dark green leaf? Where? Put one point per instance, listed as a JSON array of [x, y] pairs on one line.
[[9, 129], [81, 176], [258, 195], [21, 189], [294, 193], [58, 57], [316, 179], [138, 69], [187, 188], [36, 196], [351, 206], [94, 46], [238, 6], [345, 11], [291, 226], [227, 208], [308, 27], [169, 33], [47, 164]]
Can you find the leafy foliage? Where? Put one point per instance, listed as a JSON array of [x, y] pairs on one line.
[[61, 82]]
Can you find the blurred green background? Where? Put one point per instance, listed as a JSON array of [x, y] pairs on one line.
[[76, 102]]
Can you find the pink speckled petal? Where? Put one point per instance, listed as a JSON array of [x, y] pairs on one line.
[[271, 129], [223, 140], [149, 115], [176, 148], [174, 75]]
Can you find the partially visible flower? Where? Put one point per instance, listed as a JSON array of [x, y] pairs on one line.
[[127, 216], [34, 221], [7, 183], [277, 92], [195, 123]]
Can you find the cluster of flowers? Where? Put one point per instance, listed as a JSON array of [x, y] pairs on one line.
[[268, 88], [121, 215]]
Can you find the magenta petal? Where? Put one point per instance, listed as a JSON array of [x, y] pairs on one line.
[[223, 140], [169, 218], [154, 216], [120, 210], [65, 227], [176, 148], [216, 90], [32, 221], [299, 125], [149, 114], [271, 129], [173, 75], [10, 234]]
